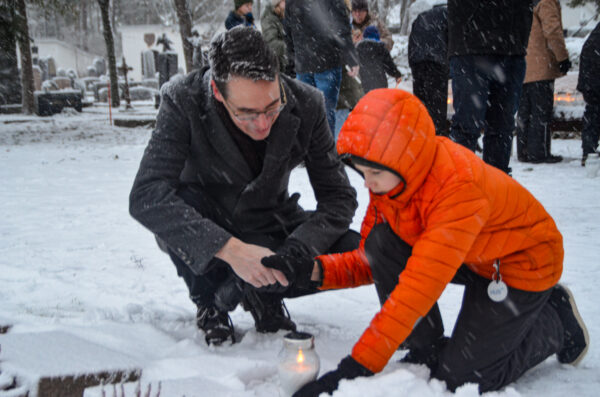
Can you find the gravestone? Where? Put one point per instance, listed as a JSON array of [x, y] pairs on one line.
[[37, 77], [51, 67], [43, 64], [100, 66], [51, 102], [59, 364], [62, 82]]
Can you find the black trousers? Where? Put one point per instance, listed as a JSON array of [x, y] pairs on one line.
[[430, 85], [492, 344], [218, 285], [533, 120], [591, 126]]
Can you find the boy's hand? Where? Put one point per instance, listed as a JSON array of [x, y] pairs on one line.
[[297, 269]]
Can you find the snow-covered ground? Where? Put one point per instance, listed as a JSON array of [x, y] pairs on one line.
[[73, 261]]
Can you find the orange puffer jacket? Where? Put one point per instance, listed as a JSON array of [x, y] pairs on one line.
[[453, 209]]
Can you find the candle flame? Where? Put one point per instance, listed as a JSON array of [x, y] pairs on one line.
[[300, 357]]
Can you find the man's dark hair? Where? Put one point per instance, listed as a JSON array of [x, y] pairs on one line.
[[241, 52]]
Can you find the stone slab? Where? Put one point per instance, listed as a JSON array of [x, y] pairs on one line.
[[57, 363]]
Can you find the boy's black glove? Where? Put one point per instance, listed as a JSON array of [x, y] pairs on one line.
[[297, 269], [348, 368], [564, 66]]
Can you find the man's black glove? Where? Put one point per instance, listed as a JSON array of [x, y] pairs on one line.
[[297, 269], [348, 368], [564, 66]]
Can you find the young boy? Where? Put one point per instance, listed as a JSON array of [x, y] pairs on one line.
[[375, 61], [439, 214]]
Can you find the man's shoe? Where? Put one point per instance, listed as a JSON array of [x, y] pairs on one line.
[[576, 338], [217, 325], [269, 312]]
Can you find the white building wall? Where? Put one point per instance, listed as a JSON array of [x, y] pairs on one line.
[[65, 55]]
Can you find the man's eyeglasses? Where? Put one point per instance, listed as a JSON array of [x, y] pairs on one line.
[[252, 116]]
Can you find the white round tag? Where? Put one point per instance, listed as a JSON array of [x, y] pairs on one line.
[[497, 291]]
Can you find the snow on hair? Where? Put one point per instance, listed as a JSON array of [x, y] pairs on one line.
[[242, 52]]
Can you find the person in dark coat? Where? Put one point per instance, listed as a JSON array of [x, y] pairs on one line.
[[213, 183], [589, 84], [240, 15], [375, 61], [318, 37], [428, 61], [487, 42]]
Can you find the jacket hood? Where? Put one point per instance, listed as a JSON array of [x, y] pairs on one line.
[[391, 127]]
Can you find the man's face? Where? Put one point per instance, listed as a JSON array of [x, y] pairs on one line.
[[252, 105], [245, 8], [359, 16], [378, 181]]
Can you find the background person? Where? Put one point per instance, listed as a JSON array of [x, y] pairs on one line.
[[319, 41], [271, 24], [428, 61], [240, 15], [547, 58], [375, 61], [487, 42], [361, 18], [589, 85]]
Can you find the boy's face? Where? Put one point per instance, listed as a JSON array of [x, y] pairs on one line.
[[378, 181]]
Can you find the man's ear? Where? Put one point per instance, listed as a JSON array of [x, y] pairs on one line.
[[216, 92]]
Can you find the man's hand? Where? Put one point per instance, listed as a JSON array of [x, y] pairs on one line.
[[297, 269], [353, 71], [245, 260]]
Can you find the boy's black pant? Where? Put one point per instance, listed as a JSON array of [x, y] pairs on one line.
[[492, 344], [533, 120], [220, 281], [430, 85]]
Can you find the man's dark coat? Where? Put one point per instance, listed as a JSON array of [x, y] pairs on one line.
[[190, 149]]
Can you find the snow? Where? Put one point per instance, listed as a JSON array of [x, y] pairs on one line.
[[73, 263]]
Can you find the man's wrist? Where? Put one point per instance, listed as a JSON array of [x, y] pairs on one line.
[[226, 252]]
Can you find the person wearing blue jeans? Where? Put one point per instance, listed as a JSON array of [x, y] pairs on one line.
[[328, 82], [486, 91], [318, 39]]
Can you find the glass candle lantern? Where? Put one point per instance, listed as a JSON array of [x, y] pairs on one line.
[[298, 362]]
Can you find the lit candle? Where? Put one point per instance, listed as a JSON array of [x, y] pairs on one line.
[[298, 362]]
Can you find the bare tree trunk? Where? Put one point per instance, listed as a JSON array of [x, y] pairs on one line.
[[404, 4], [256, 12], [185, 29], [110, 52], [26, 62], [83, 24]]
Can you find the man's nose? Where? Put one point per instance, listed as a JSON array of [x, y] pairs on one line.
[[263, 121]]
